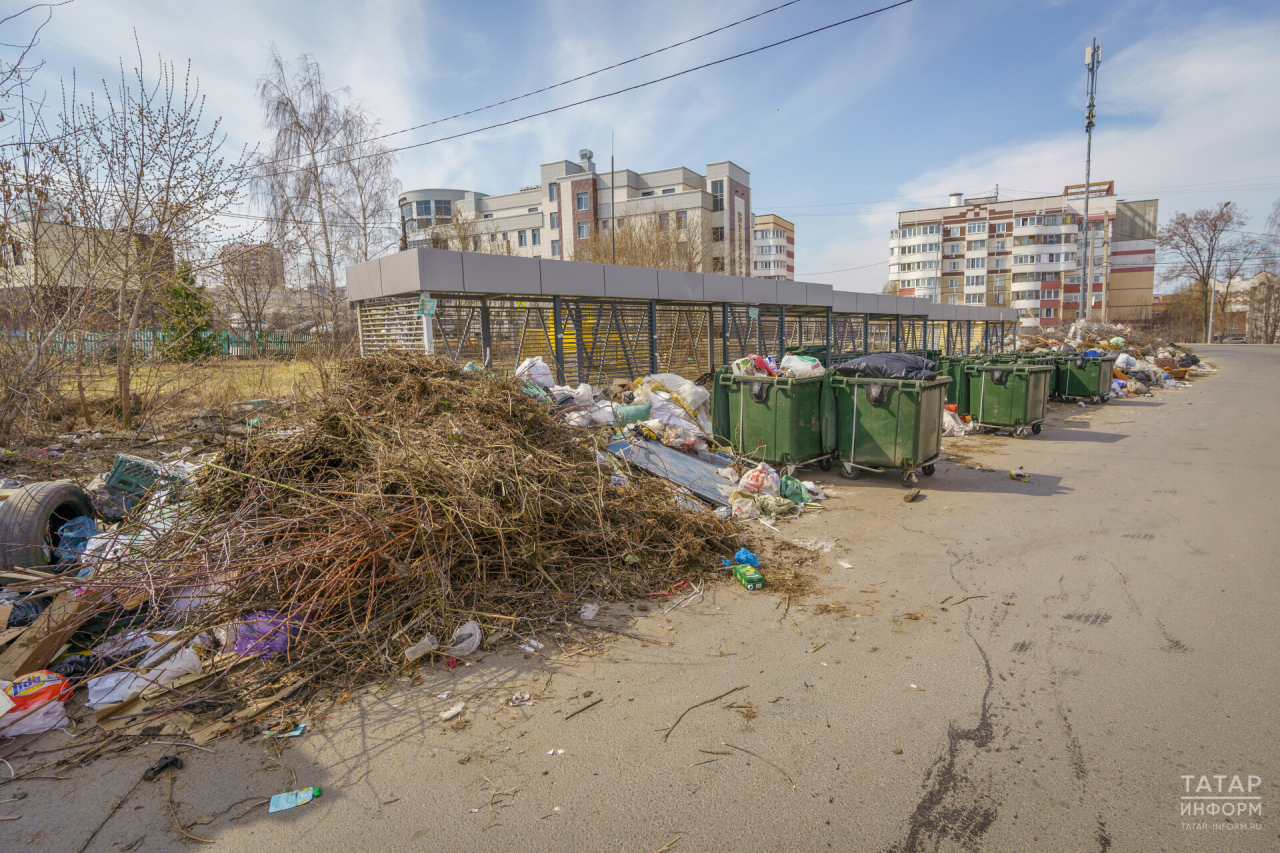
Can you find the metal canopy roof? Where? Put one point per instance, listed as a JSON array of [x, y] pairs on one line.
[[443, 271]]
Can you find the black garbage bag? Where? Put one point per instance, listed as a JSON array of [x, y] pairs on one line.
[[25, 612], [890, 365]]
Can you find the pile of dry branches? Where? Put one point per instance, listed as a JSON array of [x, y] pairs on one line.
[[413, 497]]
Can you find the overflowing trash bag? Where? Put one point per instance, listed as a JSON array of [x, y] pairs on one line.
[[890, 365]]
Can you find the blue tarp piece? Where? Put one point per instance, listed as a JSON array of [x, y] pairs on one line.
[[685, 469]]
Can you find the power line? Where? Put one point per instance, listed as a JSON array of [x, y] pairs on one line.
[[626, 89], [585, 76]]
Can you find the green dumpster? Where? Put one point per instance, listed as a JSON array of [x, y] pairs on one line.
[[776, 419], [1009, 396], [1084, 377], [958, 389], [889, 423]]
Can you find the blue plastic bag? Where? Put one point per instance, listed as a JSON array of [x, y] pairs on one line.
[[73, 536], [746, 558]]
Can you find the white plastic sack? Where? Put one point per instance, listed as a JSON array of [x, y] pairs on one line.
[[537, 372], [802, 366], [954, 425], [50, 715], [601, 413], [687, 395], [158, 667], [1124, 361], [582, 395], [428, 643], [761, 480], [465, 640], [672, 415]]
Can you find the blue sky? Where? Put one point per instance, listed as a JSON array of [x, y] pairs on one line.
[[839, 130]]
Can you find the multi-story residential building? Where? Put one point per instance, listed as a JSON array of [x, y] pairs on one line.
[[256, 265], [573, 204], [1027, 254], [773, 248]]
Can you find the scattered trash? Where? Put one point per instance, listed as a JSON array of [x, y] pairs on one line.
[[746, 558], [531, 645], [465, 640], [1020, 475], [293, 799], [520, 699], [428, 643], [761, 480], [802, 366], [748, 577], [162, 765], [457, 709], [36, 704], [276, 733], [588, 612]]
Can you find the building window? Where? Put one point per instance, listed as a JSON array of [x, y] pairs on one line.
[[717, 195], [682, 219], [1050, 313], [717, 234], [488, 216], [998, 263], [582, 201], [537, 236], [493, 238], [975, 298], [555, 245], [975, 281], [424, 209], [999, 227], [555, 219], [444, 208], [667, 192], [976, 244], [604, 224], [553, 192], [506, 238], [717, 264], [582, 230], [406, 210], [521, 237], [998, 245], [664, 219], [646, 193], [533, 210], [977, 228], [957, 231]]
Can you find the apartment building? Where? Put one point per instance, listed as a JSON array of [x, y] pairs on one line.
[[1027, 254], [256, 265], [573, 204], [773, 248]]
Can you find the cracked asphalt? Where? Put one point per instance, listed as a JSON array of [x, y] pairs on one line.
[[1051, 665]]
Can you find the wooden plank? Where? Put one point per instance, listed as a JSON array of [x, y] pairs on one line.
[[40, 641]]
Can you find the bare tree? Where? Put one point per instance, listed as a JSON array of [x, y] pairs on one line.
[[19, 67], [675, 240], [251, 280], [1200, 242], [1264, 305], [327, 179], [146, 179], [1237, 256]]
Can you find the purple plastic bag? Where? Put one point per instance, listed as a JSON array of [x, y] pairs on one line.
[[266, 633]]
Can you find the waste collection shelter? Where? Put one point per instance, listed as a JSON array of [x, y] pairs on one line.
[[596, 322]]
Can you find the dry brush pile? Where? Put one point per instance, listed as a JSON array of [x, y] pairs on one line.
[[411, 498]]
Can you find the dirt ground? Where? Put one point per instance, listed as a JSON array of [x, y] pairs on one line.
[[997, 665]]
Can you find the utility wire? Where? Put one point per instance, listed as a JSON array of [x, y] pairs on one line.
[[626, 89]]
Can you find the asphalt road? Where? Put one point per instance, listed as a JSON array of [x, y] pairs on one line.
[[1117, 638]]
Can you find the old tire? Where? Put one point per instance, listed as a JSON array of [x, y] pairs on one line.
[[1035, 429], [29, 521], [928, 470], [825, 464]]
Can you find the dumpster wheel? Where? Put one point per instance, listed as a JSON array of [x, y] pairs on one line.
[[928, 470], [849, 472], [909, 479], [1019, 432], [825, 463], [1035, 429]]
